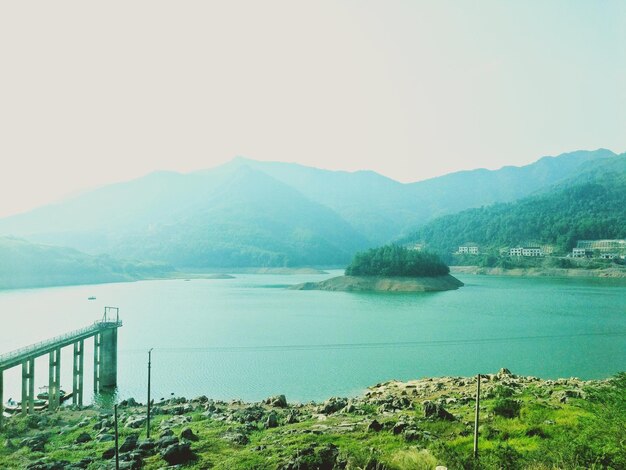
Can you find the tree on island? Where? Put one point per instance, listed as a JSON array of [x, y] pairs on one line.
[[395, 260]]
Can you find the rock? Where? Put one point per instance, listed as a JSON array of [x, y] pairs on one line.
[[292, 417], [108, 454], [272, 420], [279, 401], [399, 427], [166, 441], [82, 438], [309, 458], [349, 408], [411, 435], [36, 443], [41, 465], [178, 454], [146, 446], [84, 463], [188, 434], [374, 426], [504, 372], [435, 410], [129, 402], [135, 422], [236, 438], [105, 438], [167, 432], [249, 414], [130, 443], [333, 405]]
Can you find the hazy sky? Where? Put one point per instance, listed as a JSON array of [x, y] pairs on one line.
[[97, 92]]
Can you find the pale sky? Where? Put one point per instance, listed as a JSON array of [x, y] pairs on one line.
[[100, 92]]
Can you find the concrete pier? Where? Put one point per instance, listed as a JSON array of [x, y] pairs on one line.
[[104, 333]]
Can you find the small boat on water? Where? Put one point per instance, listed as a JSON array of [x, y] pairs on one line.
[[45, 395], [12, 407], [91, 298]]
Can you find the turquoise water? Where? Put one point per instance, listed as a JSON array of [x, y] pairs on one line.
[[250, 337]]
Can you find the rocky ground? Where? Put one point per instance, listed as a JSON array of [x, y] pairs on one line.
[[392, 425]]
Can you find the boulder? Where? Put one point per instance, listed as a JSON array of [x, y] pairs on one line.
[[82, 438], [374, 426], [105, 438], [332, 405], [166, 441], [135, 422], [129, 402], [436, 411], [188, 434], [178, 454], [271, 421], [236, 438], [279, 401], [36, 443], [130, 443], [108, 454]]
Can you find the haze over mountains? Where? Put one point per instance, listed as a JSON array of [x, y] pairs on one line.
[[251, 213]]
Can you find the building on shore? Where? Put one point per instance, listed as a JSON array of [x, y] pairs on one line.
[[603, 249], [528, 251], [468, 249]]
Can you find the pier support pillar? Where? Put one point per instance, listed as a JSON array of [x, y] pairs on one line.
[[1, 398], [77, 374], [54, 380], [28, 386], [96, 362], [108, 359]]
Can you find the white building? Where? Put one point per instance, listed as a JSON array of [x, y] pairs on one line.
[[468, 250], [525, 251], [579, 253]]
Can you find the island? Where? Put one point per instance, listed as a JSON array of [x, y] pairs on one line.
[[391, 268]]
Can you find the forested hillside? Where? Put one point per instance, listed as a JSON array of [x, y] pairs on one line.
[[592, 206], [262, 214], [27, 264]]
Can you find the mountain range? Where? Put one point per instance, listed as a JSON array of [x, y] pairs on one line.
[[252, 213]]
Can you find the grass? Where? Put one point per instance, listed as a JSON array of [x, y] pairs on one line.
[[546, 434]]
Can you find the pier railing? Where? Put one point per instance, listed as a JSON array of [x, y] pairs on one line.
[[9, 359]]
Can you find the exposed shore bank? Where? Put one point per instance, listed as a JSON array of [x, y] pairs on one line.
[[394, 425], [612, 272]]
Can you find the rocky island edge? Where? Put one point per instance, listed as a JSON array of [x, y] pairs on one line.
[[383, 284]]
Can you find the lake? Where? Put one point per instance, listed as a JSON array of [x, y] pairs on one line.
[[250, 337]]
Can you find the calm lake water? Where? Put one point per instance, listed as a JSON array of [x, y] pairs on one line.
[[250, 338]]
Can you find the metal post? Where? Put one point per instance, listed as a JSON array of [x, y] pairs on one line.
[[57, 377], [117, 448], [476, 416], [148, 420]]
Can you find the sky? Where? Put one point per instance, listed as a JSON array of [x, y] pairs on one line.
[[98, 92]]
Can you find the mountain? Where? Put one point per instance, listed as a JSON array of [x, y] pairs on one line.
[[591, 205], [383, 209], [251, 213], [27, 264]]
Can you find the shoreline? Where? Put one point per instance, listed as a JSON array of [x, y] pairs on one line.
[[415, 418], [606, 273]]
